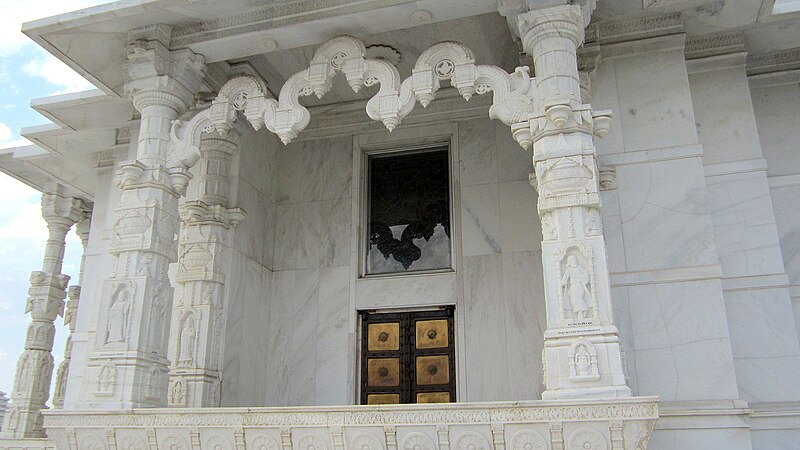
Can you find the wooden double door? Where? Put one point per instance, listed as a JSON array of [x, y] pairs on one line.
[[408, 357]]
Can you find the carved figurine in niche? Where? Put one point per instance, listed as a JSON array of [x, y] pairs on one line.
[[188, 334], [117, 325], [177, 393], [593, 226], [582, 363], [574, 281], [157, 315], [24, 373], [106, 378]]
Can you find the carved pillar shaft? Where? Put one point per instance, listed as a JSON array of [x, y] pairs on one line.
[[45, 302], [198, 313], [71, 314], [582, 356], [128, 366]]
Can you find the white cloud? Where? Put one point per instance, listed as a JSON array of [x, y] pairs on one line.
[[56, 73], [8, 139], [14, 12]]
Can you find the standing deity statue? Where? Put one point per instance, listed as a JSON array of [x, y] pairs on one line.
[[574, 282], [117, 326], [186, 354]]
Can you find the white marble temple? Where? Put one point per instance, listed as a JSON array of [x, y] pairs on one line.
[[693, 247]]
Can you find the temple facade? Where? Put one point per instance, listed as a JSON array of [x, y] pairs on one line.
[[417, 225]]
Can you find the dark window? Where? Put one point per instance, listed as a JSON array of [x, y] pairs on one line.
[[408, 357], [409, 212]]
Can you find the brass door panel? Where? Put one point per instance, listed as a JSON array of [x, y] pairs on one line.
[[383, 399], [433, 370], [433, 397], [432, 334], [383, 336], [408, 357], [383, 372]]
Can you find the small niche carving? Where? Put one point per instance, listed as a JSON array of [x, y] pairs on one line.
[[583, 362], [106, 379]]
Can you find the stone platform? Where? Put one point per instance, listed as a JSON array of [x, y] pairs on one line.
[[599, 425]]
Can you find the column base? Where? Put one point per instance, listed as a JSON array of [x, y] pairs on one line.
[[193, 388]]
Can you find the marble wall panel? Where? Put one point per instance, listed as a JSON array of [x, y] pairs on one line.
[[253, 353], [333, 381], [303, 331], [724, 115], [250, 236], [701, 438], [622, 319], [612, 231], [766, 351], [664, 212], [335, 235], [744, 224], [525, 322], [778, 127], [605, 96], [520, 227], [297, 236], [681, 342], [407, 291], [478, 152], [257, 159], [787, 218], [315, 170], [655, 104], [280, 336], [514, 163], [480, 220], [485, 310], [231, 393]]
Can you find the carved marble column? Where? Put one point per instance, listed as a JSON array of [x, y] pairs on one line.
[[198, 314], [581, 356], [128, 366], [71, 313], [45, 302]]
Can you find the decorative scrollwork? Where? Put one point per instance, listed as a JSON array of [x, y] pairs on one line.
[[262, 443], [587, 439], [528, 440], [472, 441], [174, 443], [365, 442], [218, 443], [417, 441], [311, 443]]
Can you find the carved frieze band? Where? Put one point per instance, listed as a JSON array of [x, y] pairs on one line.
[[714, 44], [774, 62], [518, 412], [646, 27]]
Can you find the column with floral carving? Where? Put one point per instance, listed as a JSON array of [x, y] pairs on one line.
[[45, 302], [71, 313], [198, 314], [581, 356], [128, 365]]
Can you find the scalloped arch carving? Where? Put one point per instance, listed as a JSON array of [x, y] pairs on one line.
[[244, 93], [513, 94], [446, 61]]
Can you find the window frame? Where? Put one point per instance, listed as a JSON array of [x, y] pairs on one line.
[[363, 230]]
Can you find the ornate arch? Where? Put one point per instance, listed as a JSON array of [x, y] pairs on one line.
[[244, 93], [287, 117]]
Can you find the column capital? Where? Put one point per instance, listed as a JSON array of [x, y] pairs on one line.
[[60, 211], [565, 21], [155, 75], [83, 226]]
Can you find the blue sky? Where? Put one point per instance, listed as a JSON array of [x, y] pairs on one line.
[[26, 72]]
